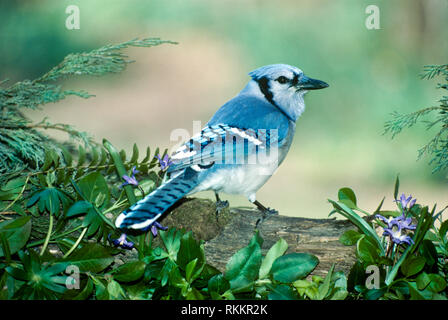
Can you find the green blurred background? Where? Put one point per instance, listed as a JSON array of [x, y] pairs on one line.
[[339, 139]]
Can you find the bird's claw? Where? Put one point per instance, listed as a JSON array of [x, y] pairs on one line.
[[271, 212], [266, 214], [221, 205]]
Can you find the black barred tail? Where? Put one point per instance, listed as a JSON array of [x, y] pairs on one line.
[[143, 214]]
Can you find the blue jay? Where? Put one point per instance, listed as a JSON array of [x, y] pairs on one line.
[[238, 150]]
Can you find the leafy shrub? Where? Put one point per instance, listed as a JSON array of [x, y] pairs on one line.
[[410, 258]]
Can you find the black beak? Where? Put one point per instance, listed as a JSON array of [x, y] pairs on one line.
[[306, 83]]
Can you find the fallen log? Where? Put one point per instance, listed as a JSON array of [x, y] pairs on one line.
[[232, 229]]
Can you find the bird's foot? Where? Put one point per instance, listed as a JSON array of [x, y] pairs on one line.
[[265, 215], [221, 205], [271, 212]]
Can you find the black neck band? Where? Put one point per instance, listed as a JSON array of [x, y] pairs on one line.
[[263, 83]]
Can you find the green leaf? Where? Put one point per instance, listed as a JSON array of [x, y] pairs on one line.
[[339, 283], [389, 213], [115, 290], [92, 257], [375, 294], [256, 238], [48, 160], [357, 276], [282, 292], [189, 270], [293, 266], [176, 279], [171, 240], [121, 170], [437, 283], [14, 184], [147, 156], [208, 272], [81, 155], [94, 186], [166, 271], [68, 159], [443, 229], [16, 233], [41, 280], [305, 287], [367, 250], [139, 291], [363, 225], [218, 283], [190, 250], [94, 219], [12, 188], [83, 293], [350, 237], [79, 207], [414, 292], [194, 294], [6, 251], [50, 199], [130, 271], [276, 251], [147, 185], [377, 210], [347, 196], [422, 281], [412, 265], [324, 288], [134, 156], [243, 267], [101, 292], [391, 275], [396, 188]]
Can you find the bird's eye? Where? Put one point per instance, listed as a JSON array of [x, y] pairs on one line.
[[282, 79]]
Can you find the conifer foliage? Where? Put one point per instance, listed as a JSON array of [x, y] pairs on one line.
[[23, 145], [437, 147]]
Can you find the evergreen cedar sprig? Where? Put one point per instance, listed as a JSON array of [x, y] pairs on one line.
[[22, 144], [107, 59], [437, 147], [98, 62]]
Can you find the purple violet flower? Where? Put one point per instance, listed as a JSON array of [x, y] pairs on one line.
[[130, 180], [395, 226], [396, 236], [122, 242], [401, 222], [391, 221], [406, 203], [165, 162], [405, 223]]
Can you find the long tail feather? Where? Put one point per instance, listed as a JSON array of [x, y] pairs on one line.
[[143, 214]]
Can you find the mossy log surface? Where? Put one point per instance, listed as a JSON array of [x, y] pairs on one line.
[[232, 229]]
